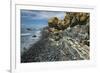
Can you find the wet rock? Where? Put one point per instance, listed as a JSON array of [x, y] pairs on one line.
[[29, 29], [34, 36]]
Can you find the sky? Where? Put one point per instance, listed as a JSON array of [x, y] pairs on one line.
[[36, 18]]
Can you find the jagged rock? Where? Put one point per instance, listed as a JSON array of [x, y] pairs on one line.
[[62, 40], [78, 18], [70, 19], [50, 48], [59, 24], [53, 22]]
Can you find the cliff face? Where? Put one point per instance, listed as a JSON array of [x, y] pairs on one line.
[[61, 44]]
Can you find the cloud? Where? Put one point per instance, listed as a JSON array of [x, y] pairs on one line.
[[39, 15]]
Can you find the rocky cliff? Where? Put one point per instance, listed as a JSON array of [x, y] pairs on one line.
[[62, 40]]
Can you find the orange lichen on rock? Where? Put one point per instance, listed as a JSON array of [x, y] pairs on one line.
[[70, 19]]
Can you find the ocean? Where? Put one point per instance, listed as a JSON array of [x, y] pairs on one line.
[[29, 37]]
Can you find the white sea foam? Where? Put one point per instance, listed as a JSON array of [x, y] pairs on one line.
[[25, 34], [28, 40]]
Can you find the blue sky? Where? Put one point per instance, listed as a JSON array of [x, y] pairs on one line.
[[36, 18]]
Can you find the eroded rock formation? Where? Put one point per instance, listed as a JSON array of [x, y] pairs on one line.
[[62, 40]]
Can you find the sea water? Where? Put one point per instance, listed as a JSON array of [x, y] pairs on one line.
[[28, 38]]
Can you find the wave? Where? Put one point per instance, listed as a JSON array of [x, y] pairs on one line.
[[25, 34]]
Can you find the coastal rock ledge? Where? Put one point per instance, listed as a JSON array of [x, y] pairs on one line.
[[69, 44]]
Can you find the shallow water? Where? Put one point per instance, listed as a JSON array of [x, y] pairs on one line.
[[28, 39]]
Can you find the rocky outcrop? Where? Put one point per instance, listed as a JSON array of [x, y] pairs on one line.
[[62, 40], [70, 19]]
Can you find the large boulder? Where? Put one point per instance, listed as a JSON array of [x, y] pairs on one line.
[[77, 18], [59, 24], [53, 22]]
